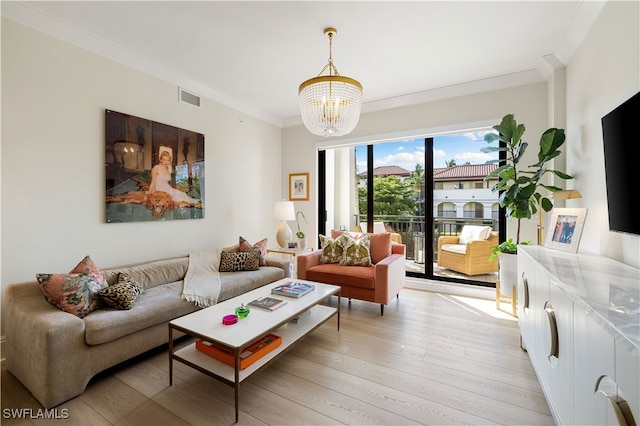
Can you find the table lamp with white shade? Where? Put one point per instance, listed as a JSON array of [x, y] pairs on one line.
[[284, 211]]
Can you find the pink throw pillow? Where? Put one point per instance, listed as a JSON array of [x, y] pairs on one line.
[[260, 246], [75, 292]]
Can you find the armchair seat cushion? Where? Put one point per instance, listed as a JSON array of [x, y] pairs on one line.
[[331, 273], [455, 248]]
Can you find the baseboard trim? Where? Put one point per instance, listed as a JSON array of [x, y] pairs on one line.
[[457, 289]]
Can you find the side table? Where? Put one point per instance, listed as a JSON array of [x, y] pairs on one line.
[[290, 252]]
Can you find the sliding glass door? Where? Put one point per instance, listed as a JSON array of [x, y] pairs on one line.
[[416, 189]]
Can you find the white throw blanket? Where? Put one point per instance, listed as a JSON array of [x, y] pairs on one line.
[[202, 281]]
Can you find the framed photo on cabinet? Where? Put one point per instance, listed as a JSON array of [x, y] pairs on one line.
[[298, 186], [565, 229]]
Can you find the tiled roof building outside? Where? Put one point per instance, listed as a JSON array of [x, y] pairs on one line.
[[464, 172], [384, 171]]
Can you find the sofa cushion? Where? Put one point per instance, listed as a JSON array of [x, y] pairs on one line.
[[331, 249], [355, 252], [239, 261], [234, 284], [122, 294], [473, 233], [156, 305], [260, 247], [380, 246], [75, 292], [162, 303]]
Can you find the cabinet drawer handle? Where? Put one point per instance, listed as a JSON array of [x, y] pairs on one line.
[[553, 329], [620, 406], [525, 290]]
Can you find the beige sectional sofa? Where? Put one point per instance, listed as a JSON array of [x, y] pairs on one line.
[[54, 354]]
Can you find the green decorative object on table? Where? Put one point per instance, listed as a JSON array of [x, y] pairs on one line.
[[242, 311]]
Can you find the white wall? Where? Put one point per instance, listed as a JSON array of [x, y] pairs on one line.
[[53, 165], [604, 72]]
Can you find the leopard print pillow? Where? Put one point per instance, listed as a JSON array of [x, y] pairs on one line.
[[122, 294], [239, 261]]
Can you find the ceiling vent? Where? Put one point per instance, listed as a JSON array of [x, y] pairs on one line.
[[189, 98]]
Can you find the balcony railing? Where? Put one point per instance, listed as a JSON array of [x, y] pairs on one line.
[[412, 230]]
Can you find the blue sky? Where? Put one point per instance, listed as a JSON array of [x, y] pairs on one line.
[[462, 147]]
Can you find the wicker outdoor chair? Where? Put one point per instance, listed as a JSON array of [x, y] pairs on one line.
[[471, 258]]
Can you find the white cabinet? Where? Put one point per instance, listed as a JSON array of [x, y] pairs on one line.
[[545, 316], [628, 384], [579, 317], [559, 352], [526, 313], [594, 366]]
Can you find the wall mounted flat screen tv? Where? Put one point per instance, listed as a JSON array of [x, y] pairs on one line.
[[621, 137]]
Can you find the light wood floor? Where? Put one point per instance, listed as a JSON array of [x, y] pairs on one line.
[[432, 359]]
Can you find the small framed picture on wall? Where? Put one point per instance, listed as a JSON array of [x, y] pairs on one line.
[[298, 186], [565, 229]]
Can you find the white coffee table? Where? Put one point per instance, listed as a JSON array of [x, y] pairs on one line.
[[206, 324]]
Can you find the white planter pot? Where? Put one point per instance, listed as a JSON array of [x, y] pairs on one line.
[[508, 273], [302, 243]]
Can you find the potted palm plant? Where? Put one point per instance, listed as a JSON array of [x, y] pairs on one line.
[[520, 187]]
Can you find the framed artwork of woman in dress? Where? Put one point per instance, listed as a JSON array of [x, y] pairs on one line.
[[153, 171], [298, 186]]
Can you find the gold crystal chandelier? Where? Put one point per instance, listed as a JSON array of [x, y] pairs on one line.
[[330, 104]]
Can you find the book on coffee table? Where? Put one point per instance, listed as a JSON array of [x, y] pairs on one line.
[[267, 303], [293, 289]]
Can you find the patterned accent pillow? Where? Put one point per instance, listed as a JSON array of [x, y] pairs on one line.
[[75, 292], [122, 294], [380, 244], [239, 261], [260, 246], [355, 252], [331, 250]]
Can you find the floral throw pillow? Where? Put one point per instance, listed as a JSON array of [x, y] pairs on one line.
[[355, 252], [122, 294], [331, 250], [260, 247], [75, 292]]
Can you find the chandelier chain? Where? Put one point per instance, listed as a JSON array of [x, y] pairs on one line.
[[330, 66]]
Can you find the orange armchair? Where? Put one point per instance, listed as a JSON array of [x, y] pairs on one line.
[[379, 283]]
